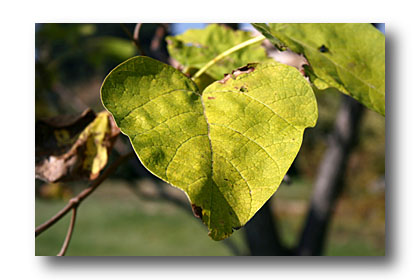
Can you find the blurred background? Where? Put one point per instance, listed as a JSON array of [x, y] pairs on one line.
[[134, 213]]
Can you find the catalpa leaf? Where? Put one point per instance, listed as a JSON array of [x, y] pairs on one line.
[[196, 47], [228, 148], [347, 56]]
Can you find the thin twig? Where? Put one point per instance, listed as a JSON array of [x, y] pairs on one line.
[[157, 38], [75, 201], [69, 233], [136, 43], [157, 48], [136, 33]]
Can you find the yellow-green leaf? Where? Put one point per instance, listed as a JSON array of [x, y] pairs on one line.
[[347, 56], [228, 148], [196, 47]]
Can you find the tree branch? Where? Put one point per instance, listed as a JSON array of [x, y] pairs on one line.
[[262, 236], [69, 233], [136, 43], [157, 45], [136, 33], [328, 184], [75, 201]]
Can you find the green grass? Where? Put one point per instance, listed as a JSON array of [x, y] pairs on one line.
[[114, 222]]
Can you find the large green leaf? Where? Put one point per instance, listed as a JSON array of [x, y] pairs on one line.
[[196, 47], [347, 56], [228, 148]]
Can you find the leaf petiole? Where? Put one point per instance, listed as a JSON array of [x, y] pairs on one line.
[[226, 53]]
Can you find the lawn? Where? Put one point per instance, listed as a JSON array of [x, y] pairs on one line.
[[115, 222]]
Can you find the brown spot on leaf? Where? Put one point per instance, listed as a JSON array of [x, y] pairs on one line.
[[246, 69], [351, 65], [250, 67], [225, 79], [211, 97], [197, 210]]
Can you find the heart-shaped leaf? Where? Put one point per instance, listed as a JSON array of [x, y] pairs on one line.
[[347, 56], [228, 148]]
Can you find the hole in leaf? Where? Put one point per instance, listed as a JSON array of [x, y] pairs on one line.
[[197, 210], [323, 49]]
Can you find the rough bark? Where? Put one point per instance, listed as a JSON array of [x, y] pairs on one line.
[[262, 236]]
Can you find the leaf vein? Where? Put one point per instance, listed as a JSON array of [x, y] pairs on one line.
[[176, 151], [246, 182], [168, 119], [259, 101], [211, 155], [250, 139], [150, 100]]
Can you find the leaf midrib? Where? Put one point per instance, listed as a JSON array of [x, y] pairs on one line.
[[211, 155]]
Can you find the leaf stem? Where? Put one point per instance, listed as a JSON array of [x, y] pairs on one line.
[[226, 53]]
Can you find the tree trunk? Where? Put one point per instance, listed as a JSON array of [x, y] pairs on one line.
[[262, 236], [329, 182]]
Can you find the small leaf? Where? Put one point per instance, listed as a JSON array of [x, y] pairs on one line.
[[196, 47], [347, 56], [228, 148], [71, 148]]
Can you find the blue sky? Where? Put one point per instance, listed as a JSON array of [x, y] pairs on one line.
[[178, 28]]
